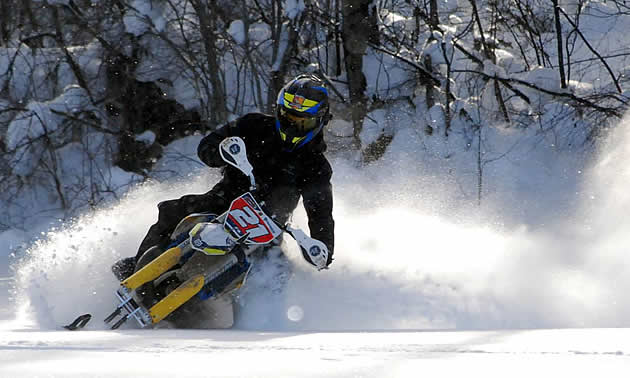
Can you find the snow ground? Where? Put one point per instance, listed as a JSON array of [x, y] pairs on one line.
[[177, 353]]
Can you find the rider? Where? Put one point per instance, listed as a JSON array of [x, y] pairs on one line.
[[287, 153]]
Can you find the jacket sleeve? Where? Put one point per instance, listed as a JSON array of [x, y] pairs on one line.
[[318, 203], [208, 149], [244, 127]]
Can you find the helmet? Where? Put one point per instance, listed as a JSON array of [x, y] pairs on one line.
[[302, 111]]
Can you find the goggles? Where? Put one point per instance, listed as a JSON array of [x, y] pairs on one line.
[[291, 140], [299, 125]]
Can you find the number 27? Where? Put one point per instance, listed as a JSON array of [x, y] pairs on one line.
[[249, 221]]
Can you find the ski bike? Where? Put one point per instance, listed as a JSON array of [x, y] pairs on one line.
[[208, 259]]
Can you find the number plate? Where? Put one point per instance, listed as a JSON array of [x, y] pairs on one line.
[[246, 217]]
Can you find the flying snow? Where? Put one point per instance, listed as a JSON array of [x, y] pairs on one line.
[[405, 258]]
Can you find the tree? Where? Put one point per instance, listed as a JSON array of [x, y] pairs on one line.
[[205, 10], [358, 25]]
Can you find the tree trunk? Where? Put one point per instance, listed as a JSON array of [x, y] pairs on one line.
[[218, 112], [556, 16], [433, 14], [27, 17], [479, 167], [428, 85], [447, 89], [76, 68], [338, 43], [356, 30], [489, 54], [4, 22], [433, 21], [280, 64]]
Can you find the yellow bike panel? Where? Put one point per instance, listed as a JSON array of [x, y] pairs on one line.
[[176, 298], [154, 269], [214, 252]]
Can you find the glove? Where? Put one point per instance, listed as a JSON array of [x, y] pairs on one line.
[[318, 257], [314, 251]]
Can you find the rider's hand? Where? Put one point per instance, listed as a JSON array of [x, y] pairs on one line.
[[330, 260], [315, 257]]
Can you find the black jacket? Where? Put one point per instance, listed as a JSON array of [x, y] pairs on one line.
[[282, 177]]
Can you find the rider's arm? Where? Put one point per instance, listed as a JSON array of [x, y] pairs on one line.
[[318, 203], [244, 127], [208, 149]]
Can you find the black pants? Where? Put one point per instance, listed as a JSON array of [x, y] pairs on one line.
[[173, 211]]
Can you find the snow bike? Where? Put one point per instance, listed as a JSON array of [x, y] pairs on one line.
[[207, 260]]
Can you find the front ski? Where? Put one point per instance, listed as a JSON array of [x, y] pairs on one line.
[[131, 308], [79, 322]]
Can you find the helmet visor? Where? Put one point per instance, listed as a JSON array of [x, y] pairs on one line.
[[293, 124]]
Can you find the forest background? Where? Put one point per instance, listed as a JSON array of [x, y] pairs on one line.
[[110, 83]]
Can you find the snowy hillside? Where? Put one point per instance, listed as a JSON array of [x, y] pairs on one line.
[[486, 236]]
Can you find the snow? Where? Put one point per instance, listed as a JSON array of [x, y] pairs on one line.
[[146, 14], [528, 279], [384, 74], [448, 6], [545, 78], [26, 135], [259, 32], [147, 137], [341, 128], [294, 8], [374, 126], [391, 18], [22, 57], [283, 44], [237, 31], [179, 159], [434, 50], [185, 91], [506, 60], [73, 100], [169, 353]]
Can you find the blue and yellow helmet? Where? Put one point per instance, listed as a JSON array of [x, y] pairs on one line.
[[302, 111]]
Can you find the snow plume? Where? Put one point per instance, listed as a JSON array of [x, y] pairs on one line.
[[68, 272], [412, 252]]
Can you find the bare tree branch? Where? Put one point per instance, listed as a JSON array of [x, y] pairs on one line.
[[577, 30], [568, 95]]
